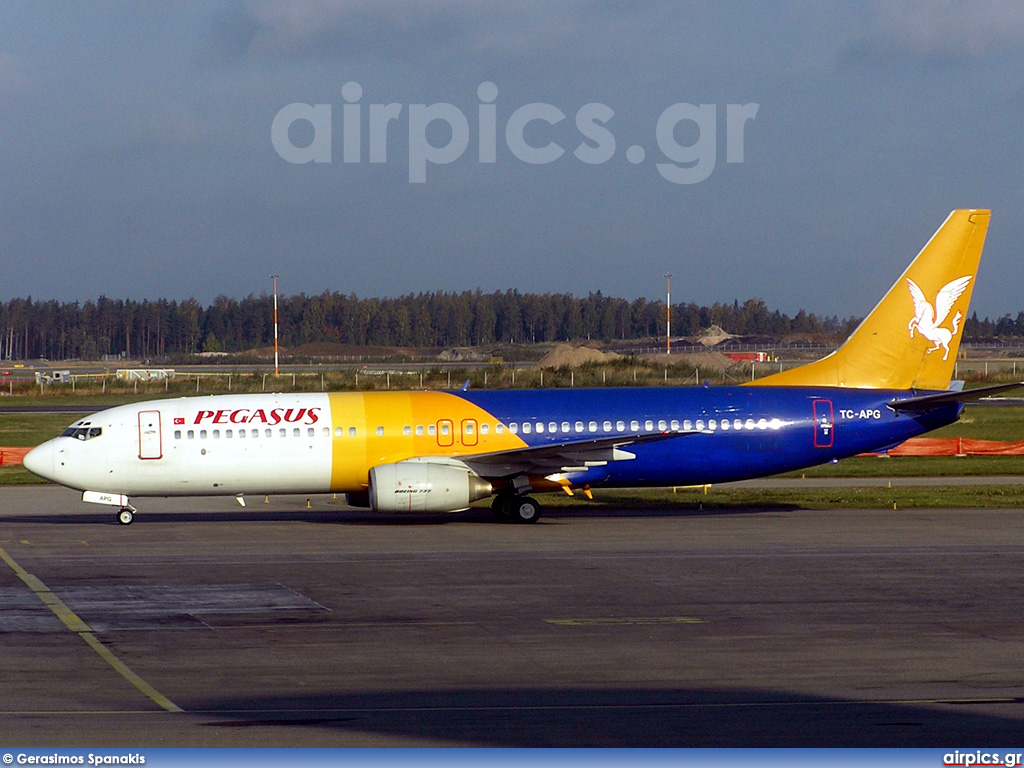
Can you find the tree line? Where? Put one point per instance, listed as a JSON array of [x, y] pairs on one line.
[[165, 329]]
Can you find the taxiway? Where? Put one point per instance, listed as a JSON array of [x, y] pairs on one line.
[[204, 624]]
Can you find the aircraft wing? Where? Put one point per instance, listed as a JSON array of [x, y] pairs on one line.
[[562, 457]]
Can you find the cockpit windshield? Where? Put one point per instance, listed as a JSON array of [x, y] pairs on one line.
[[82, 431]]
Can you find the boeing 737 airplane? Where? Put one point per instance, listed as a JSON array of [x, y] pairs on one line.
[[421, 452]]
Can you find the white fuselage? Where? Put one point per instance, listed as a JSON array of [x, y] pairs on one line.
[[276, 444]]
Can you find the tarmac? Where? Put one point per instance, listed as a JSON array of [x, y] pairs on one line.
[[205, 624]]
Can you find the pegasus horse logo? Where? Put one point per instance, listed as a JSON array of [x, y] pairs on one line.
[[928, 320]]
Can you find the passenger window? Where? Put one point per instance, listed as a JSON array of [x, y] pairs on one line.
[[191, 434], [749, 424], [484, 429], [688, 425], [662, 425], [241, 434], [310, 432], [700, 425], [282, 432], [634, 426], [499, 429], [725, 424], [229, 433], [431, 430], [712, 424], [649, 425], [351, 431], [540, 427], [177, 434], [216, 434], [620, 426], [419, 430], [738, 423], [327, 431], [339, 432], [675, 425], [553, 427], [565, 427], [607, 426], [202, 434], [380, 432], [527, 427], [407, 431], [266, 433], [513, 428]]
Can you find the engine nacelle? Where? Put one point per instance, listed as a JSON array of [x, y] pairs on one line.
[[422, 486]]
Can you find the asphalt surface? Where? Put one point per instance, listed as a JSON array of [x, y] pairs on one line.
[[205, 624]]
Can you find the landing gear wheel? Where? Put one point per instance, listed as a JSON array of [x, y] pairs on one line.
[[125, 516], [525, 510], [501, 507]]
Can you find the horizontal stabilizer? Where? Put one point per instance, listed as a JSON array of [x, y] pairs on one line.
[[929, 402]]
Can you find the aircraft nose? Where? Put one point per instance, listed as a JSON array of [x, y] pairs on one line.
[[39, 461]]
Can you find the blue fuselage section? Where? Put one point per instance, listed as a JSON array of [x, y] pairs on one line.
[[728, 433]]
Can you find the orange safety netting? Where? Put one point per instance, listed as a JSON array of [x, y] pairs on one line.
[[955, 446], [11, 456]]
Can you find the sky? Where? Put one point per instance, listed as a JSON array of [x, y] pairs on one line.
[[799, 152]]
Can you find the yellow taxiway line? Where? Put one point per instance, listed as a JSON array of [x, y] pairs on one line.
[[71, 620]]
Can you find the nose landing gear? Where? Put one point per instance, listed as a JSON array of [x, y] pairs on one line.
[[126, 515]]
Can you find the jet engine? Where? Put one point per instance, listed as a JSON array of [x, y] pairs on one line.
[[423, 486]]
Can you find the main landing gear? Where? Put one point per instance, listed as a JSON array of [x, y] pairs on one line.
[[518, 509]]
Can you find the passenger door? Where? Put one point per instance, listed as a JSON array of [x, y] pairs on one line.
[[150, 435]]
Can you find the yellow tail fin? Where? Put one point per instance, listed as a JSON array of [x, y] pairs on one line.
[[910, 340]]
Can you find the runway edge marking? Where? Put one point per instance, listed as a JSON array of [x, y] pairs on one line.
[[71, 620]]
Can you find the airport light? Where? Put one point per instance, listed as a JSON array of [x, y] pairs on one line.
[[276, 367], [668, 313]]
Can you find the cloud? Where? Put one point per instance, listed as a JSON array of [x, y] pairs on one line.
[[938, 33], [293, 29]]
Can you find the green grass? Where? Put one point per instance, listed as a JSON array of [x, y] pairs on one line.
[[22, 429], [19, 476], [983, 422], [916, 466]]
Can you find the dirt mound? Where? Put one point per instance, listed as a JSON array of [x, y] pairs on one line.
[[713, 335], [568, 356], [461, 355]]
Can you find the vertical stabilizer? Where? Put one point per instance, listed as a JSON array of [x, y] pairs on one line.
[[911, 339]]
